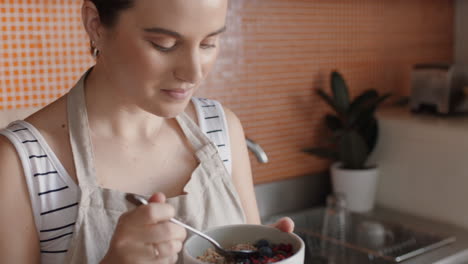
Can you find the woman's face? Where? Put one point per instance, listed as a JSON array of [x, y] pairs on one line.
[[159, 51]]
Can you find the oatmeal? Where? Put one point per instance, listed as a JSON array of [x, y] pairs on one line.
[[267, 253]]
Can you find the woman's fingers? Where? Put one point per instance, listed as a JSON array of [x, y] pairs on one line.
[[163, 231], [168, 260], [284, 224], [148, 214], [170, 231], [162, 252], [166, 249], [145, 234], [157, 198]]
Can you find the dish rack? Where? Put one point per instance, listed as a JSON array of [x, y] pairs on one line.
[[404, 242]]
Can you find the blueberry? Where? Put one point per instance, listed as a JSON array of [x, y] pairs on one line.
[[262, 243], [265, 251]]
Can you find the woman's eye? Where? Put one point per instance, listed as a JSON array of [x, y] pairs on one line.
[[207, 46], [166, 47]]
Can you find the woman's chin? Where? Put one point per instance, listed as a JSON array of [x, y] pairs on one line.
[[169, 110]]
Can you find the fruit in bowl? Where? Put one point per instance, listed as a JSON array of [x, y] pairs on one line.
[[273, 245]]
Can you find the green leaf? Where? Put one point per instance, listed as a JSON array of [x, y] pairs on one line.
[[333, 122], [365, 110], [362, 99], [353, 151], [337, 135], [369, 131], [325, 153], [327, 99], [340, 92], [380, 100]]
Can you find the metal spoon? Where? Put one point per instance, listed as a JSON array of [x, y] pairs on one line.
[[230, 255]]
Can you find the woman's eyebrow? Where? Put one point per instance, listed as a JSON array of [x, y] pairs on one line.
[[163, 31], [178, 35], [219, 31]]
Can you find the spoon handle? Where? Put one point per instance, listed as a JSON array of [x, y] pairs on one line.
[[193, 230], [142, 200]]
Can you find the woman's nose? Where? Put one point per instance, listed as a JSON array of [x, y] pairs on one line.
[[189, 68]]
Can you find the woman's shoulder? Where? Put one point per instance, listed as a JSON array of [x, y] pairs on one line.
[[207, 106], [44, 120], [51, 119]]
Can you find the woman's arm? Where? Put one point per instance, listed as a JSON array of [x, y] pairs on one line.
[[241, 171], [242, 175], [19, 242]]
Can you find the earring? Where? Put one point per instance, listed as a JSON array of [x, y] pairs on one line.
[[95, 50]]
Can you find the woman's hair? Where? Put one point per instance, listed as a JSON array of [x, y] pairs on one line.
[[109, 10]]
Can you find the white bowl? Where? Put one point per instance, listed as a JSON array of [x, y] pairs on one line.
[[230, 235]]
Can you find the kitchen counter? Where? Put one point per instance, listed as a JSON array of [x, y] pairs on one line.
[[453, 253]]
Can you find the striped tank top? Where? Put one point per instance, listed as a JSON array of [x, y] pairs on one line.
[[54, 195]]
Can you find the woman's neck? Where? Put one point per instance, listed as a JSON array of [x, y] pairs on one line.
[[111, 114]]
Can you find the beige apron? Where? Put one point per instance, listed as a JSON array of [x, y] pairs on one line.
[[210, 200]]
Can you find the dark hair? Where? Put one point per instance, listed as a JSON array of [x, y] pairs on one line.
[[109, 10]]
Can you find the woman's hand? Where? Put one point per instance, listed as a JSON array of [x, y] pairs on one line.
[[284, 224], [144, 235]]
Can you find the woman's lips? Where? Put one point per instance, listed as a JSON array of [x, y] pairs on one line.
[[178, 94]]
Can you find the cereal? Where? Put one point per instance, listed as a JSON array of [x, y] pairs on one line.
[[268, 253]]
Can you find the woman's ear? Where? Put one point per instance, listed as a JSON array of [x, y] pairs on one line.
[[91, 21]]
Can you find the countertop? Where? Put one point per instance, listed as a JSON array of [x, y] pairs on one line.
[[454, 253], [457, 123], [422, 164]]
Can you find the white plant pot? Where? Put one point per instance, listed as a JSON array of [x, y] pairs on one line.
[[358, 186]]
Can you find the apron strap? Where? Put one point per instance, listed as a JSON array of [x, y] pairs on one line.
[[194, 134], [80, 139]]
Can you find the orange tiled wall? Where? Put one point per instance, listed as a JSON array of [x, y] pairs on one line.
[[274, 54], [43, 50]]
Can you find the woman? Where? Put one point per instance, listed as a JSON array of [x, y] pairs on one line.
[[128, 126]]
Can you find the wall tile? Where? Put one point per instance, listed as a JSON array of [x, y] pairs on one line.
[[274, 54]]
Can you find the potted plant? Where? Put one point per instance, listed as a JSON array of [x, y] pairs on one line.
[[354, 131]]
